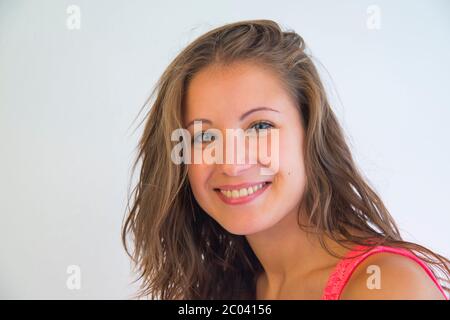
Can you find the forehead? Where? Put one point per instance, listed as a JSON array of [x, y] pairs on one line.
[[219, 92]]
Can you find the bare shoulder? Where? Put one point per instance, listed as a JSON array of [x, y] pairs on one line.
[[392, 277]]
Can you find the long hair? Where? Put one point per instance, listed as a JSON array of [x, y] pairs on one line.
[[179, 251]]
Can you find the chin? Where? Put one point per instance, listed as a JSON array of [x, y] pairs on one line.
[[244, 227]]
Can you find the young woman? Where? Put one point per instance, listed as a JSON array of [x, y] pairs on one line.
[[312, 229]]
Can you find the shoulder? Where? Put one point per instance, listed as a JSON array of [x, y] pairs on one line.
[[390, 276]]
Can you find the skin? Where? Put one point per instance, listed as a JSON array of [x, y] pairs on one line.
[[401, 279], [295, 265]]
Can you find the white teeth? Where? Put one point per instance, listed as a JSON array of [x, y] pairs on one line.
[[242, 192]]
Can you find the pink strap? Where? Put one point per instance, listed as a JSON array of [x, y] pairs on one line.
[[344, 269]]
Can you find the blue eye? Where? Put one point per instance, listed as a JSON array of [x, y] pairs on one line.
[[262, 125], [202, 137]]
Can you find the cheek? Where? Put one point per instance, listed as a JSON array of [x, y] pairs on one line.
[[292, 176], [195, 176], [198, 176]]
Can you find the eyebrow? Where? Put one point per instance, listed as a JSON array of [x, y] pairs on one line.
[[242, 117]]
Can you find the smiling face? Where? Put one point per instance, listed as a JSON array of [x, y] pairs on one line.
[[246, 96]]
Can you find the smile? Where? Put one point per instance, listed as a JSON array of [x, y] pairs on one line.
[[242, 193]]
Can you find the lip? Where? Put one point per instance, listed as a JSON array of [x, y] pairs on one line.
[[241, 200], [240, 186]]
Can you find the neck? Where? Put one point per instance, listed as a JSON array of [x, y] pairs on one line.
[[287, 252]]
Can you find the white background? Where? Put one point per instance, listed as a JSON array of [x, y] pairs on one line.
[[68, 99]]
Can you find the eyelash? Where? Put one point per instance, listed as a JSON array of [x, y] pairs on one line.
[[263, 122], [268, 124]]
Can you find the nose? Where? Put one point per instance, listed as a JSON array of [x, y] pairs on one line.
[[236, 160], [234, 170]]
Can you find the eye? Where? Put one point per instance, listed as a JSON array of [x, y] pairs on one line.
[[202, 137], [261, 125]]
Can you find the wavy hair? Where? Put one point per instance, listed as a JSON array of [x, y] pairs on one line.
[[178, 250]]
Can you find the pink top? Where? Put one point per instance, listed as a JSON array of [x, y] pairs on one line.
[[344, 269]]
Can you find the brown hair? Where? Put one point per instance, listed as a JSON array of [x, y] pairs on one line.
[[179, 251]]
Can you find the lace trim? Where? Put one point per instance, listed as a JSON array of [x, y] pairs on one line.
[[341, 272]]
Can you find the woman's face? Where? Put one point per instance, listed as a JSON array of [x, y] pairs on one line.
[[223, 97]]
